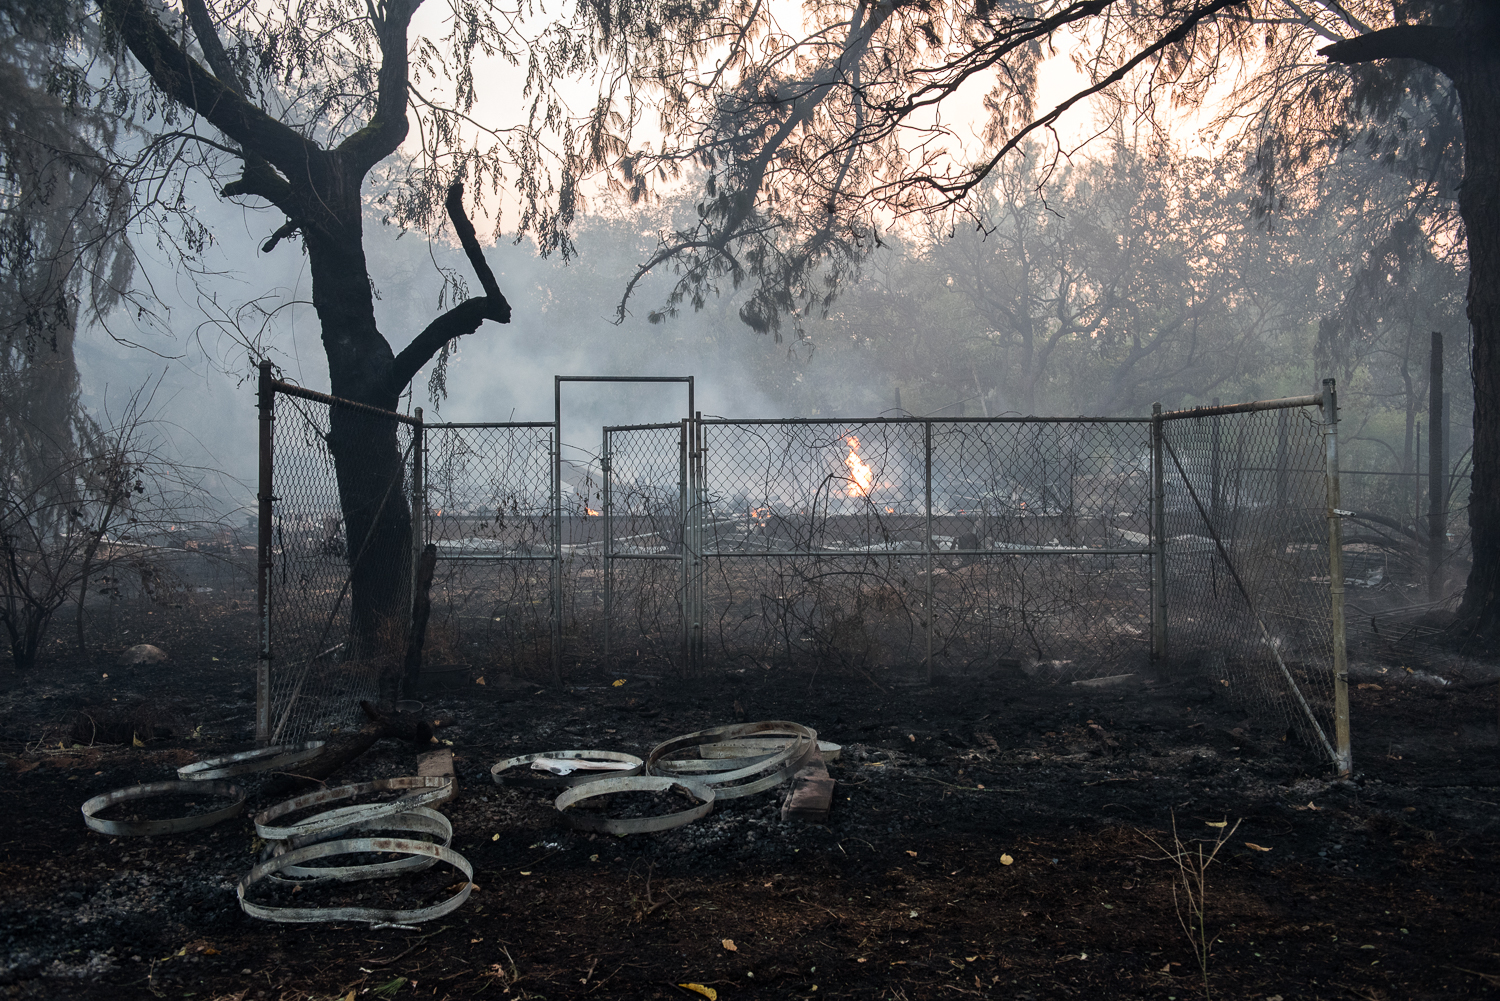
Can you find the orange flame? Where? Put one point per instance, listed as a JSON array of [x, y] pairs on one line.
[[761, 514], [862, 477], [590, 511]]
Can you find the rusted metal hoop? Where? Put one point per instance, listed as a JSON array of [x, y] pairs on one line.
[[374, 915], [419, 820], [509, 772], [259, 760], [634, 825], [427, 789], [147, 828], [772, 769]]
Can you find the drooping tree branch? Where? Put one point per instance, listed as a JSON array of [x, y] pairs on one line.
[[462, 319]]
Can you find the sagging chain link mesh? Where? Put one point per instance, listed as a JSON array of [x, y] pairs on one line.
[[1247, 568], [488, 511], [340, 559]]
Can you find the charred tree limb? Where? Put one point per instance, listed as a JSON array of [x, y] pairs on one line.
[[1426, 43], [464, 229], [466, 317], [336, 755]]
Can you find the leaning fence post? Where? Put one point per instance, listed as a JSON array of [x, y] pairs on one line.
[[1343, 758], [267, 404], [927, 481], [1159, 540]]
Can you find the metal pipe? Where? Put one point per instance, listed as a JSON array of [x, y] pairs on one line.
[[927, 484], [682, 536], [418, 501], [557, 606], [1343, 757], [266, 391], [1159, 540], [609, 534], [287, 389], [1437, 478], [1290, 402]]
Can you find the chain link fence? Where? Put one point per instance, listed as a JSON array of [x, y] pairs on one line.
[[928, 545], [488, 513], [1067, 549]]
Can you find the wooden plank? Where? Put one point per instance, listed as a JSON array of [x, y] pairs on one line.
[[439, 763], [811, 795]]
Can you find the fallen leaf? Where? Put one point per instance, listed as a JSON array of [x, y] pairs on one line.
[[494, 837], [1311, 807], [911, 853], [912, 914], [1370, 684], [1217, 823], [862, 959], [728, 943], [1252, 844], [1224, 682], [1006, 860], [136, 741], [618, 683], [456, 887], [1167, 968], [479, 680], [707, 992], [209, 950], [970, 959], [526, 873]]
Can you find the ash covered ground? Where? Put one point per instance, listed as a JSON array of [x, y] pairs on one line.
[[993, 836]]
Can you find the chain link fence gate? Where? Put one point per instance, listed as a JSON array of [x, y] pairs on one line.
[[334, 556], [1249, 572], [488, 499]]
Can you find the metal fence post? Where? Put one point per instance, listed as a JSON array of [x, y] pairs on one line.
[[685, 602], [418, 500], [557, 534], [1343, 758], [264, 514], [927, 484], [609, 535], [1159, 539], [1437, 473], [699, 493]]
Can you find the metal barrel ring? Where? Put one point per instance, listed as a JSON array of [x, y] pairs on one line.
[[634, 825], [765, 772], [419, 820], [373, 915], [259, 760], [147, 828], [424, 789]]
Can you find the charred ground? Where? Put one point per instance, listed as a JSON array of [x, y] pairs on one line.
[[1382, 887]]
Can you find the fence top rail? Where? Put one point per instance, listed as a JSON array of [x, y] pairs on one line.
[[923, 420], [287, 389], [491, 424], [674, 426], [1289, 403]]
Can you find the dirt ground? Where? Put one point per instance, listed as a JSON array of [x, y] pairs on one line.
[[997, 836]]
